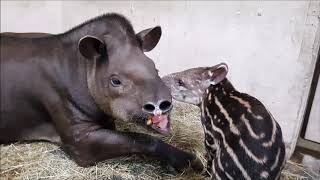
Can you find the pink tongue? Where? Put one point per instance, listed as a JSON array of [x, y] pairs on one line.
[[161, 121]]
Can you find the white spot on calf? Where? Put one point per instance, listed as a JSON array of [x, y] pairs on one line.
[[224, 92], [194, 92], [264, 174], [192, 100], [181, 88], [209, 97]]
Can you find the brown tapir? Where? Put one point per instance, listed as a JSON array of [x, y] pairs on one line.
[[70, 88]]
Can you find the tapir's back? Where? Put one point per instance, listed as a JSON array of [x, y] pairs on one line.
[[23, 63], [248, 141]]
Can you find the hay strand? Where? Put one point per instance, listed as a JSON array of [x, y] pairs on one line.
[[43, 160]]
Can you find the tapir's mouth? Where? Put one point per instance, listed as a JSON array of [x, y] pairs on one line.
[[160, 123]]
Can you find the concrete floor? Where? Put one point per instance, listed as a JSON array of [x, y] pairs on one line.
[[308, 159]]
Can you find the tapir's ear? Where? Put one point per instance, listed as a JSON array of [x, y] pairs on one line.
[[218, 73], [149, 38], [90, 46]]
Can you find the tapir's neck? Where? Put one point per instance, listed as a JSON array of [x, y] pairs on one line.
[[215, 100], [71, 75], [226, 85], [221, 89]]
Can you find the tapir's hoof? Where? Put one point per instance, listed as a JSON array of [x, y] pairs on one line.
[[197, 165], [192, 163]]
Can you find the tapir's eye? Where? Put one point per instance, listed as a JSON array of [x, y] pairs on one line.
[[115, 82], [180, 82]]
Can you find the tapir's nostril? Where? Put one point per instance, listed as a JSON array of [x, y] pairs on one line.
[[149, 107], [165, 106]]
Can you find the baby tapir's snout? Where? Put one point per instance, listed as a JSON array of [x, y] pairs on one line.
[[189, 85]]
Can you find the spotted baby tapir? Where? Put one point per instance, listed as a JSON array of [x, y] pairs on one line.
[[242, 139]]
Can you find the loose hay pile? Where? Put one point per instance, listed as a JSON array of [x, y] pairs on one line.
[[46, 161]]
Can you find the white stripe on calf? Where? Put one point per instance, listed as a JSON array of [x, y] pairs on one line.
[[251, 155], [220, 165], [202, 109], [273, 136], [247, 105], [228, 175], [229, 150], [219, 159], [233, 128], [213, 146], [251, 132], [208, 132], [276, 161], [215, 174]]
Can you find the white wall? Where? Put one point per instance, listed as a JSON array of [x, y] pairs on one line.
[[269, 45], [313, 128]]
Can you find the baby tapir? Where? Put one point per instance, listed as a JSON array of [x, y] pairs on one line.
[[242, 139]]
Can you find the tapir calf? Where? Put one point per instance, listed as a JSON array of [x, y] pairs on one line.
[[71, 88], [242, 139]]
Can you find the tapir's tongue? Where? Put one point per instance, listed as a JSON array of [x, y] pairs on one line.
[[160, 123]]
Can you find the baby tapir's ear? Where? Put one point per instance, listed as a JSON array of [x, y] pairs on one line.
[[218, 73]]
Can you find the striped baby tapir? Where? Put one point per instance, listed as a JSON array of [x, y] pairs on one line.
[[242, 139]]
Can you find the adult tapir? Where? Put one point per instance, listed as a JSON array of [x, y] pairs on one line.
[[70, 88]]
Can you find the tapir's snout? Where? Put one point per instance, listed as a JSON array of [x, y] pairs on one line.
[[158, 107]]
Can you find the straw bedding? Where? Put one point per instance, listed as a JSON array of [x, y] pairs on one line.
[[41, 160]]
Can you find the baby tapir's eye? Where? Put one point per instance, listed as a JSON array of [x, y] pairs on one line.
[[115, 82], [180, 82]]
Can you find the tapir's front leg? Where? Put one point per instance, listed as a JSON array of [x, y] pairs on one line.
[[91, 144], [87, 142]]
